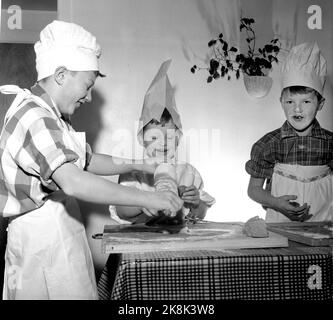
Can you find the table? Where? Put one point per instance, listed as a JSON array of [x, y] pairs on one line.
[[296, 272]]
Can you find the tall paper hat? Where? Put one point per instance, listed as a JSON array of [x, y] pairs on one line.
[[304, 66], [66, 44], [160, 95]]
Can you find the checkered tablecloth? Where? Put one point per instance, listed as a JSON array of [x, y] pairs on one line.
[[251, 274]]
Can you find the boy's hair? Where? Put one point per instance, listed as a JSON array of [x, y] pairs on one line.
[[165, 118], [302, 90]]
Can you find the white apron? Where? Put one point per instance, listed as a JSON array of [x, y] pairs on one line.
[[47, 254], [311, 184]]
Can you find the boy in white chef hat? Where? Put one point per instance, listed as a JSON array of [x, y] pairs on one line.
[[46, 165], [296, 159], [159, 132]]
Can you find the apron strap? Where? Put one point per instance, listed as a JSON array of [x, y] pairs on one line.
[[23, 96]]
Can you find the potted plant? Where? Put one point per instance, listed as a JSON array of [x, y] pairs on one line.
[[254, 65]]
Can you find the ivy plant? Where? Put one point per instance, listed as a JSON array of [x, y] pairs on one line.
[[228, 59]]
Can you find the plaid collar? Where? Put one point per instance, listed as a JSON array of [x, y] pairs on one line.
[[37, 90], [316, 130]]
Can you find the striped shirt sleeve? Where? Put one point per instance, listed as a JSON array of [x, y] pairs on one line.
[[41, 146]]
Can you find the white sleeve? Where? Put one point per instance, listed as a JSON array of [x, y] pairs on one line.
[[188, 175], [128, 180]]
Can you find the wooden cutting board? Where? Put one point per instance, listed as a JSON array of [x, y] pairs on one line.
[[310, 233], [203, 235]]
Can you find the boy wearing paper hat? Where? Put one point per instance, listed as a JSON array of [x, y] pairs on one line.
[[159, 132], [296, 159], [46, 166]]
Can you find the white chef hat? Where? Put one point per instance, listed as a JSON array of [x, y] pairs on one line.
[[159, 96], [66, 44], [304, 66]]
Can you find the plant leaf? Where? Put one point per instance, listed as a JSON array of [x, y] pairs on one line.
[[237, 74], [209, 79], [268, 48], [214, 64], [211, 43], [229, 64]]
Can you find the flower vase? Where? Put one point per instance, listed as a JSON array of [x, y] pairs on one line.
[[257, 86]]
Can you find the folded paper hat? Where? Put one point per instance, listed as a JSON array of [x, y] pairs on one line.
[[160, 95], [66, 44], [304, 66]]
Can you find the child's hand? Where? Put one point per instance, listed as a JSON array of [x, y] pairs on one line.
[[190, 195], [292, 209]]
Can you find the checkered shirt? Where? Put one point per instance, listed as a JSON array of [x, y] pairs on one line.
[[31, 149], [283, 145]]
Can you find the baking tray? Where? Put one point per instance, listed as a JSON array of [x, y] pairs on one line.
[[204, 235], [316, 234]]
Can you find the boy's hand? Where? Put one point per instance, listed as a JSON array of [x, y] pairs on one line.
[[190, 195], [292, 209]]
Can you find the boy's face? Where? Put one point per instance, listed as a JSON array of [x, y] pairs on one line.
[[160, 141], [76, 90], [300, 110]]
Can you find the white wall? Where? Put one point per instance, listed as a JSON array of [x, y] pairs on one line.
[[136, 37]]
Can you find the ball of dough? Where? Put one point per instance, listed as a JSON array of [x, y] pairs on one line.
[[256, 228]]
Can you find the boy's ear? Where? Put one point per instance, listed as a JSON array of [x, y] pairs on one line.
[[321, 104], [59, 75]]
